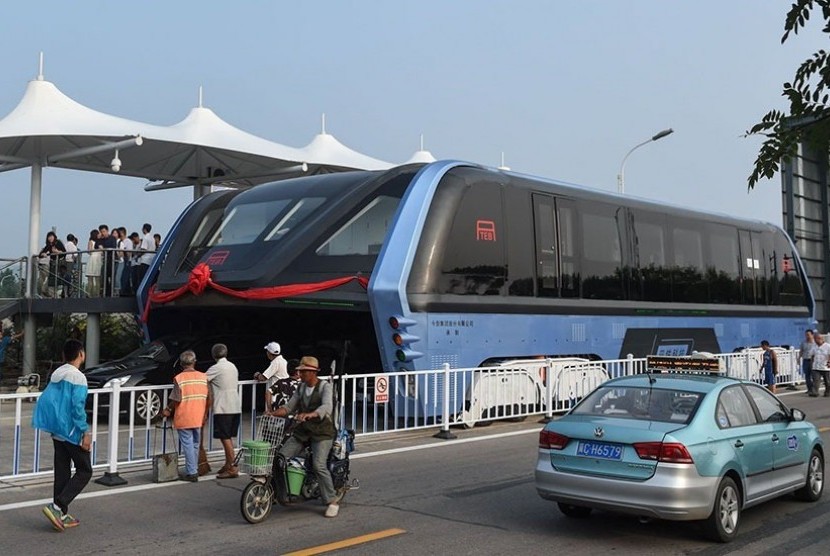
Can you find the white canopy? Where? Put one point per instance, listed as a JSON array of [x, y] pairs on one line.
[[421, 156], [202, 149]]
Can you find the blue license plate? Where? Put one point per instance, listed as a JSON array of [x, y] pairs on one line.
[[599, 450]]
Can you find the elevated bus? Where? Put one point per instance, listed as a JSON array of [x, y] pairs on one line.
[[456, 263]]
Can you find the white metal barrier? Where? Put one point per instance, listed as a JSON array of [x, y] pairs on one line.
[[413, 400]]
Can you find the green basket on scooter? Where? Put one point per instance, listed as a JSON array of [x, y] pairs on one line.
[[295, 476]]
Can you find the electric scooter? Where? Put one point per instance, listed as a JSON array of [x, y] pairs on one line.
[[288, 481]]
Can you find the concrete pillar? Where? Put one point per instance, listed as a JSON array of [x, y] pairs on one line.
[[93, 339]]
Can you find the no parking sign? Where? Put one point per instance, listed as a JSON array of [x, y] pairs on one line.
[[381, 388]]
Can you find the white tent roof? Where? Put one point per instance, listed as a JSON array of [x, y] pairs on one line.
[[326, 147], [420, 156], [47, 125]]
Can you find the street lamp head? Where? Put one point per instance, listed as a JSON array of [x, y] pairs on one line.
[[621, 175], [662, 134]]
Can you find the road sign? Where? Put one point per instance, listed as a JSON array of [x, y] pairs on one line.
[[381, 388]]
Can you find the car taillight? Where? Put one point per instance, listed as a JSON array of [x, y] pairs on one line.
[[666, 452], [552, 441]]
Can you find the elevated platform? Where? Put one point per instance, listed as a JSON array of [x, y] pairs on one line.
[[43, 306]]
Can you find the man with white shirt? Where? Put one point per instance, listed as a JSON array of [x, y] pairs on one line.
[[277, 370], [223, 378], [148, 249], [821, 370]]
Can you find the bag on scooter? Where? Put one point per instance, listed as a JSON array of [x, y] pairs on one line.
[[343, 444]]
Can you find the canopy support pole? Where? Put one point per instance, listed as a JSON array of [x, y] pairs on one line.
[[93, 339], [29, 328]]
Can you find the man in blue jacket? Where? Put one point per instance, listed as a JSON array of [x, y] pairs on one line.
[[60, 411]]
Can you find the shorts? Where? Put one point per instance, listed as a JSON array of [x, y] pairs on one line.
[[225, 425], [769, 377]]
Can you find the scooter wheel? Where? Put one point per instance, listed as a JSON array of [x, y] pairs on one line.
[[256, 501]]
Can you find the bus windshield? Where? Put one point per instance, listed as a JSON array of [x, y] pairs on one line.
[[244, 223]]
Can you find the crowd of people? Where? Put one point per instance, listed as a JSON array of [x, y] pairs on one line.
[[293, 388], [112, 263]]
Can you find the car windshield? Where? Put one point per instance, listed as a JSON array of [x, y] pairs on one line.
[[643, 404]]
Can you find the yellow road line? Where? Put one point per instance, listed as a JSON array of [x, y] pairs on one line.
[[823, 429], [346, 543]]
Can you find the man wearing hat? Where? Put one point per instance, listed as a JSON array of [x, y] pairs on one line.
[[312, 405], [277, 366]]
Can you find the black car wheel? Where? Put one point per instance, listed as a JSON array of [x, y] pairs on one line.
[[147, 405], [570, 510], [722, 524], [814, 485]]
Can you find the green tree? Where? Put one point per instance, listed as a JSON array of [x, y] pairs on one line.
[[808, 119]]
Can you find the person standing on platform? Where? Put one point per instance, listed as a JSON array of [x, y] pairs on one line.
[[109, 244], [71, 253], [94, 264], [135, 262], [189, 408], [148, 250], [223, 378], [125, 245], [60, 412]]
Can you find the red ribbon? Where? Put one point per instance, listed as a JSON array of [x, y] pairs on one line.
[[200, 279]]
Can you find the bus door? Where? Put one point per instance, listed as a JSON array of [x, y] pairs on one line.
[[753, 268], [556, 254]]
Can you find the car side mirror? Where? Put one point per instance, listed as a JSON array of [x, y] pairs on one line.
[[798, 415]]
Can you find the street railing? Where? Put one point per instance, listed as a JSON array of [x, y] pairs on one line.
[[125, 429]]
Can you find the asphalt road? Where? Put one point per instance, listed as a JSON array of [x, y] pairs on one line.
[[473, 495]]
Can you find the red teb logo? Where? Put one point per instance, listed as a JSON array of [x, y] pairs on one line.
[[787, 264], [217, 258], [485, 230]]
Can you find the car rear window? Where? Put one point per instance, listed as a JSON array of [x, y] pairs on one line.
[[643, 404]]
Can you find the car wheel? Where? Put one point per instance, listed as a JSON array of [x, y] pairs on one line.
[[579, 512], [814, 486], [147, 405], [722, 523]]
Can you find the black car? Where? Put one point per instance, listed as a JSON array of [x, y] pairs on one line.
[[156, 363]]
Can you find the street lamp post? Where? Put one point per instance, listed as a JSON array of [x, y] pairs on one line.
[[621, 175]]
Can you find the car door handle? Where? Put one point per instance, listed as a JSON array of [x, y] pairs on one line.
[[775, 438], [739, 444]]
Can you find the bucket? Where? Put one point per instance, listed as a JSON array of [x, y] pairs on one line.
[[295, 480], [256, 453]]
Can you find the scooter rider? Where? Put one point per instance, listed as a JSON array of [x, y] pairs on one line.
[[313, 403]]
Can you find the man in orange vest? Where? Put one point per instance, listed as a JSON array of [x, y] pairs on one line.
[[189, 405]]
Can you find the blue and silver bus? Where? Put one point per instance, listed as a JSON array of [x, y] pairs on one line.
[[470, 266]]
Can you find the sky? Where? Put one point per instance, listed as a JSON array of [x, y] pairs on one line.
[[563, 89]]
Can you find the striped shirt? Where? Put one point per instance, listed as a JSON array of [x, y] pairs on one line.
[[190, 390]]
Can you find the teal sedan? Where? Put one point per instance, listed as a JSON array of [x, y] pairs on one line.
[[679, 447]]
